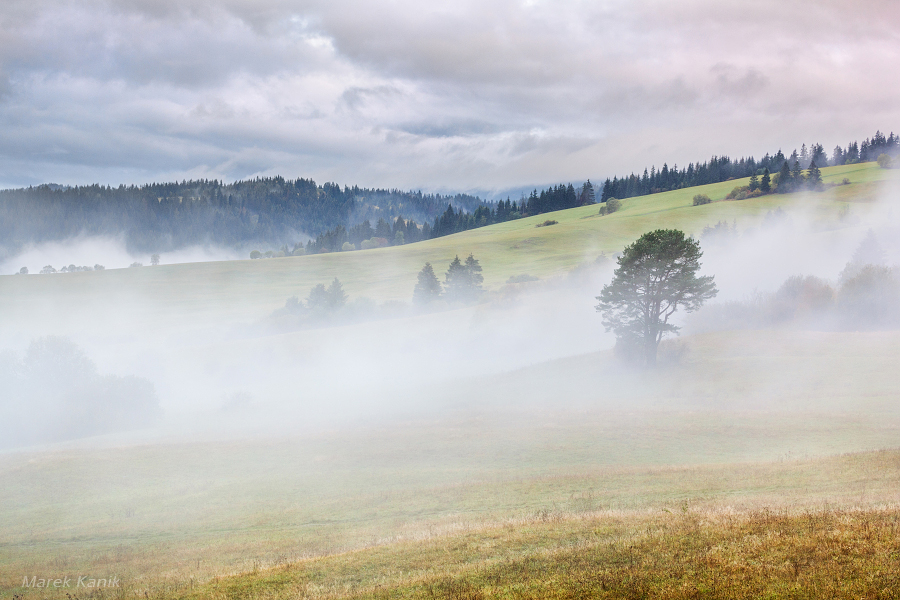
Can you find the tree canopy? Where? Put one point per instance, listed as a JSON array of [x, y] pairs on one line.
[[655, 276]]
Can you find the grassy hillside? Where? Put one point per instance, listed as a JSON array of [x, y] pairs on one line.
[[248, 289]]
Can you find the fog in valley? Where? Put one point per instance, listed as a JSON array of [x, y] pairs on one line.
[[167, 409], [109, 253], [213, 369]]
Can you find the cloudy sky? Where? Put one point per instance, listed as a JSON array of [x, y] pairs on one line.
[[483, 95]]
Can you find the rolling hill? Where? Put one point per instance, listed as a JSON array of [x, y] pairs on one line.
[[249, 289]]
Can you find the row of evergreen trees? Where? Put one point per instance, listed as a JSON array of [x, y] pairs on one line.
[[454, 220], [723, 168], [363, 236], [164, 216], [462, 283]]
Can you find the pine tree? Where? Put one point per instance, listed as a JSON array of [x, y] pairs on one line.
[[765, 186], [336, 298], [428, 288], [317, 300], [587, 194], [475, 276], [656, 275], [796, 174], [383, 229], [462, 283], [814, 176], [754, 183], [784, 179]]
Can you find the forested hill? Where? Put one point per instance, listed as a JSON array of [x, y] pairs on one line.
[[723, 168], [165, 216]]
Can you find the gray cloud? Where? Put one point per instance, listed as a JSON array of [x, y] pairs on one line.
[[465, 95]]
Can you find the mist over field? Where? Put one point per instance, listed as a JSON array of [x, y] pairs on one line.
[[214, 369], [111, 253], [344, 299]]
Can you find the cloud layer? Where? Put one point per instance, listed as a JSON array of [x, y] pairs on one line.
[[467, 95]]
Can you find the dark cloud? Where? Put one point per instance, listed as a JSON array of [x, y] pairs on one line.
[[465, 95]]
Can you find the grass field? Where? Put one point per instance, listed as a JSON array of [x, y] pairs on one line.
[[506, 457], [250, 289], [554, 451]]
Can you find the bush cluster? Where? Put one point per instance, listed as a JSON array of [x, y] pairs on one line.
[[610, 206], [742, 192]]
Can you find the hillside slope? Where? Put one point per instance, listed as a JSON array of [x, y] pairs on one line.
[[248, 289]]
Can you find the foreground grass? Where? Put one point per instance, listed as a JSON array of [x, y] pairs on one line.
[[603, 530], [686, 553]]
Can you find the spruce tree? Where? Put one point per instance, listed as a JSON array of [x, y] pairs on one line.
[[428, 288], [475, 276], [462, 283], [813, 176], [336, 296], [455, 281], [754, 183], [765, 186], [796, 174], [784, 178], [587, 194]]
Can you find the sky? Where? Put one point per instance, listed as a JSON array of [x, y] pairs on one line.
[[479, 96]]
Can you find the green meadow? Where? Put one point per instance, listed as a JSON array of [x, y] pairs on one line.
[[247, 289]]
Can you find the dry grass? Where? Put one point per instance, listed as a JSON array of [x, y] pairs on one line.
[[687, 553], [812, 528]]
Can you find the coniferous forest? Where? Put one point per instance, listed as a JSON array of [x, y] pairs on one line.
[[166, 216], [723, 168], [273, 212]]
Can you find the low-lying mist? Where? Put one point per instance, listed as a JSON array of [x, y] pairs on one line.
[[110, 253], [167, 436], [290, 371]]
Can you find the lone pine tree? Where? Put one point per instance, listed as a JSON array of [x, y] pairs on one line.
[[656, 275]]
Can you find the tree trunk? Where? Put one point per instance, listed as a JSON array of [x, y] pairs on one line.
[[650, 347]]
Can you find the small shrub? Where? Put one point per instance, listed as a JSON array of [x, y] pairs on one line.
[[255, 255], [347, 247], [299, 251], [547, 223], [700, 199], [136, 264], [884, 161], [612, 205], [845, 181]]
